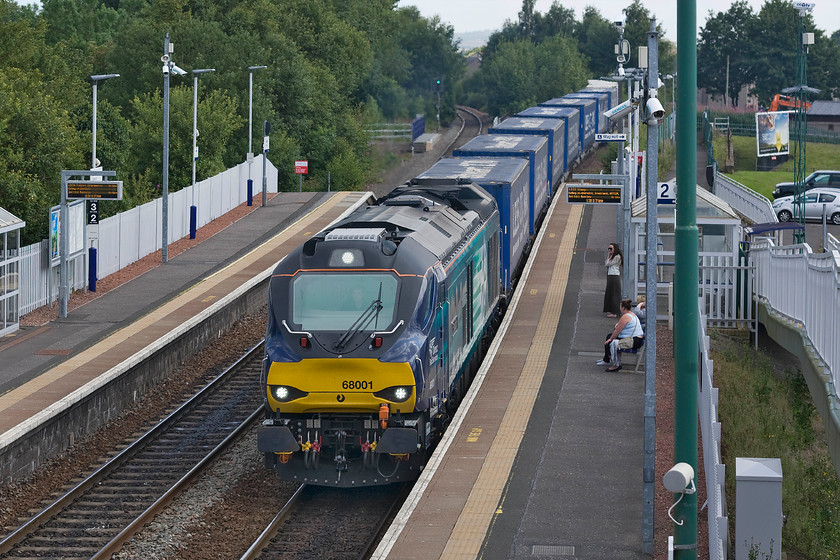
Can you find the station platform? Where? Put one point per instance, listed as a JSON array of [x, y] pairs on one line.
[[544, 458], [46, 370]]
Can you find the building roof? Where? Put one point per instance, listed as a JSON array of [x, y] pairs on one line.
[[9, 222], [824, 109]]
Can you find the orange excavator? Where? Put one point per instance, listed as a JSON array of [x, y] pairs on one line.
[[786, 102]]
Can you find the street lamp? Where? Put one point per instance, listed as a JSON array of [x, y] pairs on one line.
[[94, 164], [193, 209], [250, 130], [96, 79]]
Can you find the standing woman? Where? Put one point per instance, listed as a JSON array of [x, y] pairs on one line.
[[612, 295]]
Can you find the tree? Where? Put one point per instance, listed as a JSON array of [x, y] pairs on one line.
[[532, 73], [725, 50], [596, 37]]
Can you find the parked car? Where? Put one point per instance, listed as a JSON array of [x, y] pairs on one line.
[[817, 179], [814, 201]]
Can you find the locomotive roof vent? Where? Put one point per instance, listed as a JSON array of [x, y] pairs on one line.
[[375, 235]]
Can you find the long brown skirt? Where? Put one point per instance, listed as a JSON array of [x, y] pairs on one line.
[[612, 295]]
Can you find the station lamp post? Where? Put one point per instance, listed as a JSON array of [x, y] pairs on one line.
[[96, 79], [94, 164], [193, 209], [250, 130]]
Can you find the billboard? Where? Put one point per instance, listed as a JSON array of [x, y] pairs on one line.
[[772, 133]]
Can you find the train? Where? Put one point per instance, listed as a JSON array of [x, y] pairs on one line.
[[378, 324]]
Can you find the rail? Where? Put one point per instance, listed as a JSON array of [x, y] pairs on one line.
[[751, 205]]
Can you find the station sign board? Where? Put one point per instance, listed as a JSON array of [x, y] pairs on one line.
[[301, 167], [666, 193], [593, 194], [604, 137]]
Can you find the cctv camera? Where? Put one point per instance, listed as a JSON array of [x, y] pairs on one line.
[[165, 69], [178, 70], [679, 478], [619, 25], [622, 110], [655, 109], [621, 71]]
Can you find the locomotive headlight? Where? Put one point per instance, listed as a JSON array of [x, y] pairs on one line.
[[398, 393], [284, 393], [346, 258]]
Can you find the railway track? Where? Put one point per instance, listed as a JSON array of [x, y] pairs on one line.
[[102, 512], [329, 523]]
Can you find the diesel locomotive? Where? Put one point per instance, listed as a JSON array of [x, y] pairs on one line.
[[374, 331], [377, 324]]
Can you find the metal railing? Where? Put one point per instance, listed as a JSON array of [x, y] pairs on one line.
[[803, 286], [385, 131], [752, 206], [707, 405]]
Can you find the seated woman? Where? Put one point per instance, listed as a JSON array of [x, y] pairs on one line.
[[640, 309], [628, 333]]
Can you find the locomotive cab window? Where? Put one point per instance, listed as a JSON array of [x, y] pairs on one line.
[[334, 302]]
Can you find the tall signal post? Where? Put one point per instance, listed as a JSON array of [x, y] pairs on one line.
[[800, 93], [438, 88]]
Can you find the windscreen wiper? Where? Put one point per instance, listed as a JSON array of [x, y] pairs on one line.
[[370, 313]]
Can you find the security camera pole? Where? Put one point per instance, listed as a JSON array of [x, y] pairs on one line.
[[168, 49], [651, 259]]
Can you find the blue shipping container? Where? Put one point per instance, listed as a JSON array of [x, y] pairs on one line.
[[571, 132], [588, 123], [612, 95], [603, 100], [533, 148], [554, 130], [506, 179]]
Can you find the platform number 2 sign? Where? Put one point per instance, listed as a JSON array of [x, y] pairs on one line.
[[667, 193], [93, 212]]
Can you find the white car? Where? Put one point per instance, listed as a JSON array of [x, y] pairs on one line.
[[815, 199]]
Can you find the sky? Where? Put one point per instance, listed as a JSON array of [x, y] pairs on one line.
[[480, 15]]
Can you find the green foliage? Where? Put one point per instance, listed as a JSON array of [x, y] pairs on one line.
[[532, 73], [326, 59], [761, 49], [774, 416]]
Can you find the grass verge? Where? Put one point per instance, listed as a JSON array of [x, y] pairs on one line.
[[774, 416]]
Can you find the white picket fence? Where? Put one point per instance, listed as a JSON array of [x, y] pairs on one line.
[[805, 287], [129, 236], [715, 470]]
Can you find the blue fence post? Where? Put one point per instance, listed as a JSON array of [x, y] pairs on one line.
[[92, 269], [250, 192], [193, 220]]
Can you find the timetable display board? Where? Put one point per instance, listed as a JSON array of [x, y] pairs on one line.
[[593, 194], [95, 190]]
